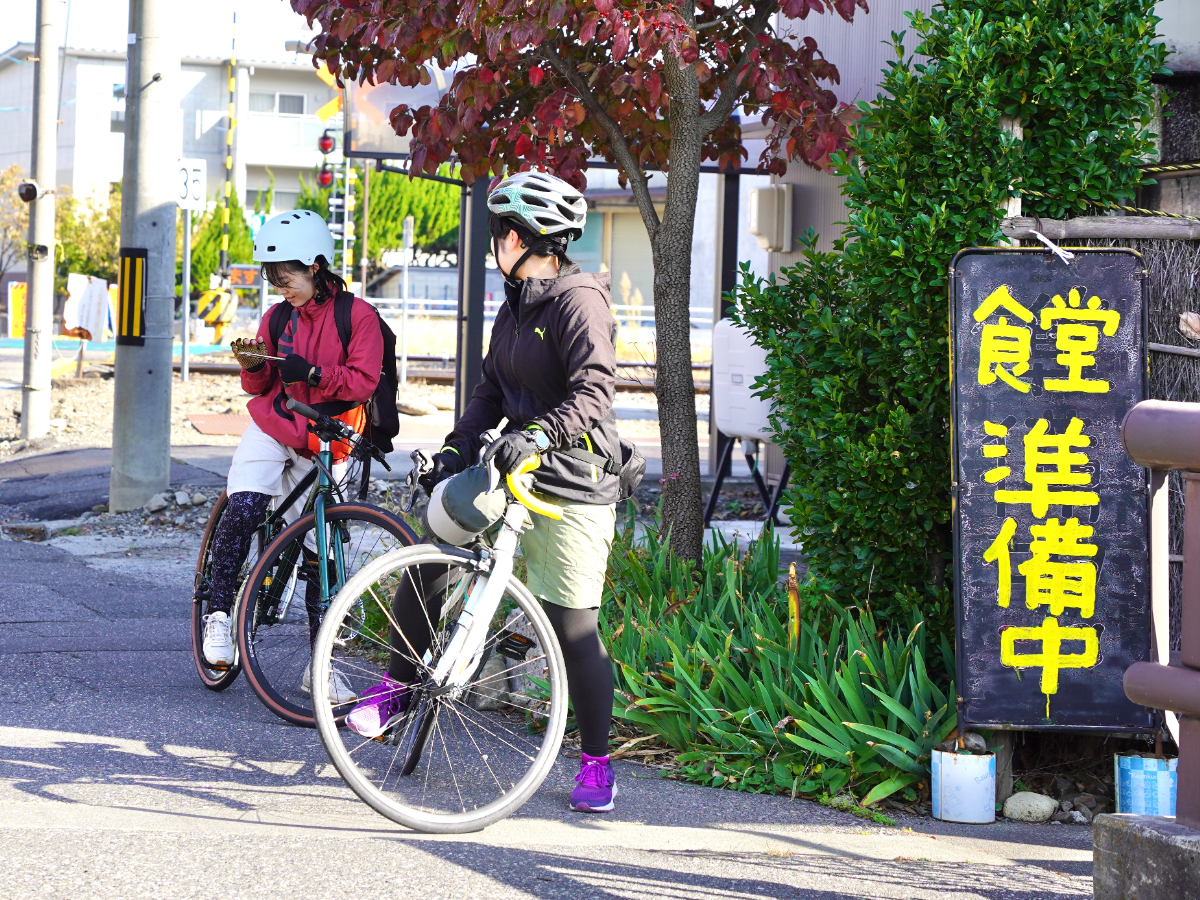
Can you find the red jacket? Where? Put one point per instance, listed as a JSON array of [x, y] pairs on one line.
[[312, 332]]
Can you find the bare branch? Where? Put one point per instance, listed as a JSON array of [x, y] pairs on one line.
[[616, 138], [732, 11], [720, 111]]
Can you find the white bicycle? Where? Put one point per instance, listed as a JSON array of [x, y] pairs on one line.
[[486, 715]]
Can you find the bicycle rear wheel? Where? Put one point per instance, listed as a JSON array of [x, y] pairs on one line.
[[282, 611], [215, 679], [453, 760]]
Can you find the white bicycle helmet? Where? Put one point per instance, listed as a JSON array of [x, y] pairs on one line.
[[545, 204], [300, 234]]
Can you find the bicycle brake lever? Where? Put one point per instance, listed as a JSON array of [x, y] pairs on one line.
[[493, 476]]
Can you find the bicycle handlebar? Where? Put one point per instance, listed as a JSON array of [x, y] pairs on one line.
[[523, 494], [329, 428]]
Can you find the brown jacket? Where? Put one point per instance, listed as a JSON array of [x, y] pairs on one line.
[[552, 361]]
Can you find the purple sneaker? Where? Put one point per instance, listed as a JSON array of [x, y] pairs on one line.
[[377, 707], [596, 787]]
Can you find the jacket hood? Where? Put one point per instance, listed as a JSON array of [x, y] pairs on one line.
[[542, 290]]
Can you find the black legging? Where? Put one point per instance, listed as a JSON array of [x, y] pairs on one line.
[[589, 670]]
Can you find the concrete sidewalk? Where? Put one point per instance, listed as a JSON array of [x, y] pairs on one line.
[[121, 776]]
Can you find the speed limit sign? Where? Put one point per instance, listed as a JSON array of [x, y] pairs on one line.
[[191, 182]]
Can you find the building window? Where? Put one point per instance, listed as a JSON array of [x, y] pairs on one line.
[[116, 122], [284, 104], [291, 104]]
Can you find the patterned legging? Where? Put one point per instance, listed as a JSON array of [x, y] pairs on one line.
[[231, 545]]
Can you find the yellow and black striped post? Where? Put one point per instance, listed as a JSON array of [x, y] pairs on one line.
[[131, 309], [224, 263]]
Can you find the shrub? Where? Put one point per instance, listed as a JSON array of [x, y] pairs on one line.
[[857, 338]]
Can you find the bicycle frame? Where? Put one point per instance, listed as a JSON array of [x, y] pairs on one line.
[[484, 596]]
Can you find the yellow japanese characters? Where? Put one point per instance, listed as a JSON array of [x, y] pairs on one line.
[[1060, 573]]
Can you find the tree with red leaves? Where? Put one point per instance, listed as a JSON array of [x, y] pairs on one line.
[[645, 85]]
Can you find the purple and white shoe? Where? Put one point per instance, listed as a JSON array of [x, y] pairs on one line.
[[378, 706], [596, 786]]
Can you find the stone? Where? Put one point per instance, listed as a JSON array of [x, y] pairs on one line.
[[1079, 818], [1066, 806], [58, 423], [1061, 787], [199, 499], [26, 531], [100, 508], [89, 515], [1026, 806], [182, 498], [974, 743], [1086, 812], [181, 520], [1146, 857], [157, 503], [490, 691], [1061, 817], [415, 406], [1085, 799], [947, 746]]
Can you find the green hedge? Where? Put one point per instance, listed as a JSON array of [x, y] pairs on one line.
[[857, 338]]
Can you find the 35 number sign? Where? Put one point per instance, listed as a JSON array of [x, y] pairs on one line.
[[191, 182]]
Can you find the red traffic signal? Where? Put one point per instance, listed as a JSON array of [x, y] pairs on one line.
[[325, 143], [325, 177]]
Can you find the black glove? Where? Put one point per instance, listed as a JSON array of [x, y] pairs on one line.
[[445, 464], [510, 451], [294, 368]]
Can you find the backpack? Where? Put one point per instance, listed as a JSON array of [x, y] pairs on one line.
[[383, 419]]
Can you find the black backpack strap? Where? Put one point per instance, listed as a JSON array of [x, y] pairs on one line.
[[612, 467], [343, 305], [280, 313]]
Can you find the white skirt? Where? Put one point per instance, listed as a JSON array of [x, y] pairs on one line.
[[265, 466]]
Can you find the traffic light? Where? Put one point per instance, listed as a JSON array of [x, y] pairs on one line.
[[325, 176], [325, 143]]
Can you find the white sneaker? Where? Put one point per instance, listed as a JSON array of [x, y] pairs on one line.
[[218, 642], [339, 691]]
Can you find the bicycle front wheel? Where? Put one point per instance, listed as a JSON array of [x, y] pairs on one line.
[[454, 760], [283, 607]]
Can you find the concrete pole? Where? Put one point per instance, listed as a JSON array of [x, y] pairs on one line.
[[185, 330], [39, 300], [142, 401]]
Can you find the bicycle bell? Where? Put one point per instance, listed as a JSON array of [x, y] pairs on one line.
[[461, 508]]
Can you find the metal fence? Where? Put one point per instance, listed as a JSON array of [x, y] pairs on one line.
[[424, 308]]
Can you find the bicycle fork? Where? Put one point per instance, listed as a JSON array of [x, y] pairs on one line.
[[466, 641]]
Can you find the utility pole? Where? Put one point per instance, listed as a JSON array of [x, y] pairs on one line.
[[223, 265], [141, 464], [39, 302]]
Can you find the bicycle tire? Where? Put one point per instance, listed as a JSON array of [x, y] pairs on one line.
[[347, 643], [211, 678], [271, 665]]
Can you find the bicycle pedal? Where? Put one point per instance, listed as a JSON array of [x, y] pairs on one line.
[[513, 645]]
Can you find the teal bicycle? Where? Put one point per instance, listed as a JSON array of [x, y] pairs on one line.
[[293, 572]]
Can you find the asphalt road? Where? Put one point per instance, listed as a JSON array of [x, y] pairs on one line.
[[120, 776]]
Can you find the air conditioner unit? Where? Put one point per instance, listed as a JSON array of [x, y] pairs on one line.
[[737, 362], [771, 216]]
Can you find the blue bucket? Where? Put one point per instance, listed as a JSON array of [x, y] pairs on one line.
[[1145, 787]]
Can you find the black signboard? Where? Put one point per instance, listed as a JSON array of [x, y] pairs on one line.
[[1051, 517]]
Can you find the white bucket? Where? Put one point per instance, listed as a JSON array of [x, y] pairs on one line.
[[1145, 786], [964, 787]]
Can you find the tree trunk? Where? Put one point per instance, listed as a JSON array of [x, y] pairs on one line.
[[676, 390]]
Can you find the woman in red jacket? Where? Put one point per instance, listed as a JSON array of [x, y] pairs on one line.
[[276, 451]]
